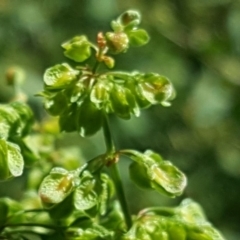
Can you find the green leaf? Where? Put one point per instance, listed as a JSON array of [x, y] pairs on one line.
[[138, 37], [77, 49], [3, 211], [57, 186], [59, 76], [89, 119], [8, 208]]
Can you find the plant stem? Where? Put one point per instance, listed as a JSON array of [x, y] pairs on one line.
[[116, 175], [121, 194], [95, 67], [108, 137]]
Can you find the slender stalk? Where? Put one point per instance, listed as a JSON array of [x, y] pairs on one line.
[[108, 137], [95, 67], [116, 175], [121, 194]]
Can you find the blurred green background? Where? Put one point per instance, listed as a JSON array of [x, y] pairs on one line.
[[195, 43]]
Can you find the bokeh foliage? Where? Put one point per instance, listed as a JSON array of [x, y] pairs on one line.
[[194, 43]]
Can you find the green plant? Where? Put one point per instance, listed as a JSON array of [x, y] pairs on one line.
[[79, 202]]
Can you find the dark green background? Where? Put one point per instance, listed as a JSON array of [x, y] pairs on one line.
[[194, 43]]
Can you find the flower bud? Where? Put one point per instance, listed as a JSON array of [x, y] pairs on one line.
[[109, 62], [117, 42]]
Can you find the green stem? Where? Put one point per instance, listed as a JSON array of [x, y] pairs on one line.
[[108, 137], [121, 194], [95, 67], [116, 175]]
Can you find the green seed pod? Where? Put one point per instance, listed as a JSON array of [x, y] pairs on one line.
[[130, 18], [156, 89], [138, 174], [9, 121], [100, 93], [11, 160], [203, 234], [76, 92], [119, 100], [56, 104], [138, 37], [4, 171], [140, 100], [117, 42], [62, 210], [56, 186], [59, 76], [67, 120], [89, 118], [77, 49], [176, 231], [167, 179]]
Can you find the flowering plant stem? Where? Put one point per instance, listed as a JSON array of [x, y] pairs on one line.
[[115, 172]]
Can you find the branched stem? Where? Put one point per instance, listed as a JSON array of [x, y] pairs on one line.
[[116, 175]]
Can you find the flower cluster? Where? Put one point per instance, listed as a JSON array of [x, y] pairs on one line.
[[81, 99]]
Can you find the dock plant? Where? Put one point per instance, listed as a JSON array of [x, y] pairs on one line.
[[88, 201]]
